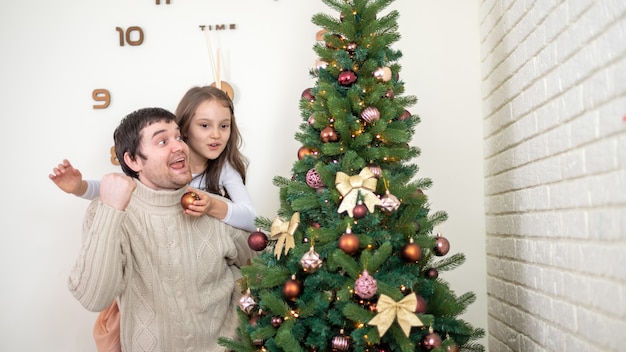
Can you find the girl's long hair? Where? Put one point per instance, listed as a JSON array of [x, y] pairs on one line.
[[231, 154]]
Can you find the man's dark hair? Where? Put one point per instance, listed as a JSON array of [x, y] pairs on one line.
[[127, 136]]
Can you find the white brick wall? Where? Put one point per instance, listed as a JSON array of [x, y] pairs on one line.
[[554, 108]]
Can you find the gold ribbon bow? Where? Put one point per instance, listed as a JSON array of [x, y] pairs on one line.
[[350, 186], [282, 232], [390, 310]]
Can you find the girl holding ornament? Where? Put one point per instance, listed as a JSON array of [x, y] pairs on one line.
[[207, 122]]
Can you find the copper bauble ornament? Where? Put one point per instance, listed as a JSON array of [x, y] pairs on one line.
[[365, 286], [340, 343], [257, 241], [411, 252], [246, 302], [370, 114], [303, 151], [359, 211], [328, 134], [188, 198], [383, 74], [306, 94], [390, 94], [349, 242], [346, 78], [313, 179], [389, 202], [311, 261], [431, 341], [292, 288], [442, 245]]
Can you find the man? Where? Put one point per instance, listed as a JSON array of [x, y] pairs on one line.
[[173, 275]]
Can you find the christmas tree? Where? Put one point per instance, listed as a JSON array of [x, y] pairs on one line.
[[352, 261]]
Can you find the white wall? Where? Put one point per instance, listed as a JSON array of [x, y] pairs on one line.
[[55, 53], [554, 91]]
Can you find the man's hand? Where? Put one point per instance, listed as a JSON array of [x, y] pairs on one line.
[[116, 190]]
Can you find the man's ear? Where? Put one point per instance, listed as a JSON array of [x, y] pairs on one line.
[[131, 162]]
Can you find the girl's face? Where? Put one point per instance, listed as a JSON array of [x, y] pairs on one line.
[[208, 134]]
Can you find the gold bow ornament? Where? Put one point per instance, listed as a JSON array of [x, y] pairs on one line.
[[390, 310], [282, 232], [351, 186]]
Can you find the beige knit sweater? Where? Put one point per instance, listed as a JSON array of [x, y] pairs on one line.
[[174, 275]]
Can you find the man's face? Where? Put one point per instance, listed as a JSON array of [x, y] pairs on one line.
[[166, 165]]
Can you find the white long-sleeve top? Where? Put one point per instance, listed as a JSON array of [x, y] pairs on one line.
[[241, 212]]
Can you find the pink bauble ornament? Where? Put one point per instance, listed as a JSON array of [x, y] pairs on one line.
[[405, 115], [306, 94], [313, 179], [311, 120], [320, 64], [340, 343], [390, 94], [276, 321], [346, 78], [421, 307], [365, 286], [370, 114], [376, 170], [431, 341], [359, 211], [432, 273], [383, 74]]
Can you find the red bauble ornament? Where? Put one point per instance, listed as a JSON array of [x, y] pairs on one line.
[[442, 245], [292, 288], [349, 242], [328, 134], [359, 211], [432, 273], [431, 341], [313, 179], [346, 78], [187, 199], [306, 94], [421, 307], [411, 252], [257, 241]]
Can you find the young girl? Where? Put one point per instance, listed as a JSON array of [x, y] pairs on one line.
[[207, 122]]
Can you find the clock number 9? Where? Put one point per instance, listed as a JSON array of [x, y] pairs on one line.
[[103, 96], [126, 35]]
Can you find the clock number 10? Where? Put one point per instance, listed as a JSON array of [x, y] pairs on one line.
[[127, 37]]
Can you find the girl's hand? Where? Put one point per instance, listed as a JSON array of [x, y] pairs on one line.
[[200, 206]]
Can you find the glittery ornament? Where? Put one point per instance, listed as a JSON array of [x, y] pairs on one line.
[[313, 179], [389, 202], [311, 261], [383, 74], [346, 78], [442, 245], [370, 114], [340, 343], [365, 286], [246, 302]]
